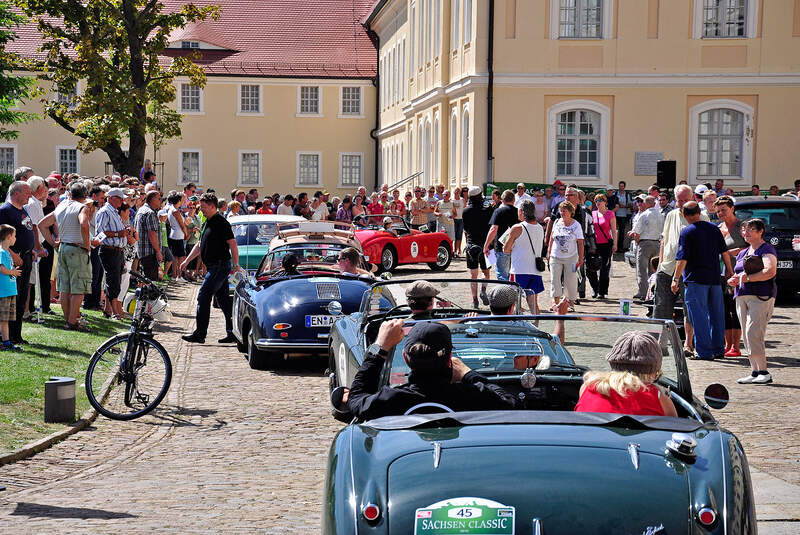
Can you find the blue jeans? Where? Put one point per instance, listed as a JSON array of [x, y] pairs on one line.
[[503, 265], [214, 283], [707, 314]]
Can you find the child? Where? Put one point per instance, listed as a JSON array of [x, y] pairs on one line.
[[8, 285], [651, 282]]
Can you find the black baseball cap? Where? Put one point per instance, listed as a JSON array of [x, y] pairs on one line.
[[434, 344]]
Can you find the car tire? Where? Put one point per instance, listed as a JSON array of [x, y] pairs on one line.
[[388, 260], [443, 257], [257, 359]]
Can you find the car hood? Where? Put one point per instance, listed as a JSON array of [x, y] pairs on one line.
[[366, 235]]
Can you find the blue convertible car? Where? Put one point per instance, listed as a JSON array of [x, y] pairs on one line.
[[278, 315]]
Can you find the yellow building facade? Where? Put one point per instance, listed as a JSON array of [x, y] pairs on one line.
[[588, 91]]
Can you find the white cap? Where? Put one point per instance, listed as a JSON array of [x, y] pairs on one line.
[[474, 191], [521, 184], [700, 189], [116, 192]]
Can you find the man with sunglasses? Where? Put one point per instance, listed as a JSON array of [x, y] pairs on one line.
[[419, 208], [558, 196], [348, 260]]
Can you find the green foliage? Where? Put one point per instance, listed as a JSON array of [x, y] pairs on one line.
[[13, 89], [5, 182], [113, 48]]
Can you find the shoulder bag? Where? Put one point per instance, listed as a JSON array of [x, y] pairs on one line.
[[539, 260]]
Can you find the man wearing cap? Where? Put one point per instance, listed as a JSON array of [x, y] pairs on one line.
[[521, 195], [435, 375], [699, 191], [420, 296], [108, 223], [476, 219]]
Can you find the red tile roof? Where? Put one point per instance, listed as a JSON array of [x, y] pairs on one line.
[[270, 38]]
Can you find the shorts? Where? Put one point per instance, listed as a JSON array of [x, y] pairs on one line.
[[74, 270], [532, 284], [149, 266], [731, 317], [177, 248], [167, 254], [8, 308], [475, 257]]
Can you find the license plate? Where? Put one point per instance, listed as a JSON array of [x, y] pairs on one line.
[[785, 264], [320, 321]]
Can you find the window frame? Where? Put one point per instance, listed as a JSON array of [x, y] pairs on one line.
[[260, 168], [466, 140], [59, 148], [300, 112], [454, 141], [606, 25], [199, 180], [299, 153], [201, 100], [467, 29], [455, 18], [750, 25], [342, 114], [748, 141], [14, 147], [604, 162], [342, 155], [240, 111], [190, 45]]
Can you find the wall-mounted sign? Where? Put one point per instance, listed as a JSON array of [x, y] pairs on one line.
[[645, 162]]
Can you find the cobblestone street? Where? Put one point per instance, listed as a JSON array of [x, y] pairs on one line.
[[233, 450]]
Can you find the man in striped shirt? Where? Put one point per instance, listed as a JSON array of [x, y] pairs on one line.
[[108, 223]]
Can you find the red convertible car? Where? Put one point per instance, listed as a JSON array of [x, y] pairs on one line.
[[388, 241]]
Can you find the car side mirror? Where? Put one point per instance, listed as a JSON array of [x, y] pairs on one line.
[[334, 308], [385, 276], [338, 406], [716, 396]]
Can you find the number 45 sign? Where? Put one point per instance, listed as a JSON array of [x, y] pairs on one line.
[[465, 516]]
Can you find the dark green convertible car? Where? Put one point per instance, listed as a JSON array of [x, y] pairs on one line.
[[544, 469]]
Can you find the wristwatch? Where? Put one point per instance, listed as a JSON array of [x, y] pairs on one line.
[[376, 349]]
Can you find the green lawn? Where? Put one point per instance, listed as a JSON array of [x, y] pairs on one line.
[[51, 351]]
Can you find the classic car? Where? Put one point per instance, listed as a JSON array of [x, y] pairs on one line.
[[276, 314], [401, 244], [544, 468], [253, 234]]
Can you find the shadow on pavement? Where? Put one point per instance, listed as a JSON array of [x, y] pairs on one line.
[[37, 510]]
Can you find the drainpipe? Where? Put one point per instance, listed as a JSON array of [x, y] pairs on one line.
[[376, 40], [490, 97]]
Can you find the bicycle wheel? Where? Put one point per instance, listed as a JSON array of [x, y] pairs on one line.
[[124, 380]]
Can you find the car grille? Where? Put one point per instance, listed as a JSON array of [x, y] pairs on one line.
[[328, 290]]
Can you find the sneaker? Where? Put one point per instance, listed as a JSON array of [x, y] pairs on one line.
[[762, 379], [484, 297], [475, 304], [82, 321], [746, 379], [733, 352], [27, 316], [8, 346], [181, 279]]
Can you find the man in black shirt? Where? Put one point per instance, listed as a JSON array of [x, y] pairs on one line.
[[435, 376], [476, 218], [503, 218], [216, 247]]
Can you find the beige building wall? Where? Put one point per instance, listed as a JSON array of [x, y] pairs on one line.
[[649, 75], [220, 133]]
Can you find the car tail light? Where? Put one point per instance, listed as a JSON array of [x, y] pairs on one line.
[[282, 326], [371, 512], [523, 362], [707, 516]]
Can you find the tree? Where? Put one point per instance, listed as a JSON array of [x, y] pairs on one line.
[[14, 90], [114, 47]]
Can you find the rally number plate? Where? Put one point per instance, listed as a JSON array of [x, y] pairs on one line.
[[320, 321], [785, 264]]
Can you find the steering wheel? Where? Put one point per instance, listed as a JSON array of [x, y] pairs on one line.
[[427, 405]]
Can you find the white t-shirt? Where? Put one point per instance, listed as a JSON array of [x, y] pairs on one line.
[[284, 210], [321, 212], [519, 198], [565, 239], [175, 232], [36, 213]]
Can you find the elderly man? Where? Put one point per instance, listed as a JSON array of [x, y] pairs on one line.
[[74, 270], [699, 248], [97, 195], [521, 195], [647, 234], [13, 213], [148, 227], [436, 376], [108, 223], [665, 298], [43, 237]]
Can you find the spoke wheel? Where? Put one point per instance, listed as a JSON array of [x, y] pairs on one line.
[[388, 259], [443, 258], [123, 389]]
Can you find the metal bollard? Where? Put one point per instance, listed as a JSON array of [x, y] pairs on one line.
[[59, 400]]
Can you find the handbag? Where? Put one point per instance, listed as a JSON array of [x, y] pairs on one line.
[[755, 264], [538, 260], [589, 242]]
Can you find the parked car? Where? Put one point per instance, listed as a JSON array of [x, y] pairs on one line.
[[401, 244], [545, 469], [253, 234], [276, 314], [782, 217]]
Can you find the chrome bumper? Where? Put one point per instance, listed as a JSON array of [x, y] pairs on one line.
[[265, 344]]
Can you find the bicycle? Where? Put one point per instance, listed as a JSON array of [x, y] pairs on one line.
[[130, 373]]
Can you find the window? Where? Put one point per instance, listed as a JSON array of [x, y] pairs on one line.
[[393, 75], [190, 44], [190, 166], [465, 144], [456, 21], [250, 98], [724, 18], [468, 21], [403, 80], [249, 168], [453, 146], [191, 100], [351, 101], [350, 169], [437, 32], [8, 159], [67, 97], [310, 100], [428, 152], [67, 160], [308, 169], [428, 32], [436, 146], [719, 143], [413, 37], [421, 36], [580, 19], [410, 169], [578, 143]]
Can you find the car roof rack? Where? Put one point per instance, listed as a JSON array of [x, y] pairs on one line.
[[316, 229]]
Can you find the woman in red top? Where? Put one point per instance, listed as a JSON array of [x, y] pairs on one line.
[[375, 207], [628, 388]]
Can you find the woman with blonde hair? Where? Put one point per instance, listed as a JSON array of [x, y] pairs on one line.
[[629, 387]]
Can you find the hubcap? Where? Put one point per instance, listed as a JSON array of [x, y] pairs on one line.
[[387, 258], [442, 255]]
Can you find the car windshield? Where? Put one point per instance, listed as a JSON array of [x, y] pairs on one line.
[[255, 233], [776, 216], [376, 222], [495, 347], [318, 253]]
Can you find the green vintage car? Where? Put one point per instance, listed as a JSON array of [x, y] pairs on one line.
[[543, 469], [253, 234]]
